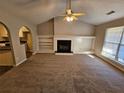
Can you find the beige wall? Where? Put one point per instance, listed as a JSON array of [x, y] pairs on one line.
[[100, 33], [62, 27], [46, 28], [14, 23]]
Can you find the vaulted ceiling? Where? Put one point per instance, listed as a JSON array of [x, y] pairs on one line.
[[38, 11]]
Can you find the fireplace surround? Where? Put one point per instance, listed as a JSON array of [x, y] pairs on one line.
[[63, 45]]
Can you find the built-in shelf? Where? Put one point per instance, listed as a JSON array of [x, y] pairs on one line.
[[45, 44]]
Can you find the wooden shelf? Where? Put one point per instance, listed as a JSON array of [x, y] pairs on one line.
[[45, 43], [45, 40]]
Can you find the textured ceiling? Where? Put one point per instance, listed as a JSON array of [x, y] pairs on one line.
[[38, 11]]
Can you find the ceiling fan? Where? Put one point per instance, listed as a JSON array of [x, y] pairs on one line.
[[70, 15]]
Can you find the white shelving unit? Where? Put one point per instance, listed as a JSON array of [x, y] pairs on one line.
[[84, 44], [45, 44]]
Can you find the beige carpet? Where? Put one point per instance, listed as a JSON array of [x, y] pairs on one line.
[[47, 73]]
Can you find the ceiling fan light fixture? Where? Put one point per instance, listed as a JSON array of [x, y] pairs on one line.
[[69, 18], [69, 15]]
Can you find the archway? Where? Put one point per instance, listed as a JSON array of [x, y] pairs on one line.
[[6, 50], [26, 38]]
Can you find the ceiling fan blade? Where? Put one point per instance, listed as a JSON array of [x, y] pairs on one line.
[[75, 18], [78, 14]]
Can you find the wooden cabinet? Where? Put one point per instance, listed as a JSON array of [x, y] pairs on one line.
[[6, 58]]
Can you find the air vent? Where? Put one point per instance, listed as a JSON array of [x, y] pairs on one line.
[[110, 13]]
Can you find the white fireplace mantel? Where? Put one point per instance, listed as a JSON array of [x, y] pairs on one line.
[[63, 37]]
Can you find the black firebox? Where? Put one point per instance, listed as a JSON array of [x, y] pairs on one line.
[[63, 46]]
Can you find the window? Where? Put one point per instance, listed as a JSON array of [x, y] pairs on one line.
[[113, 47], [121, 50]]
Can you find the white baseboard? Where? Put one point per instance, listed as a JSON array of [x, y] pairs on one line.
[[21, 62]]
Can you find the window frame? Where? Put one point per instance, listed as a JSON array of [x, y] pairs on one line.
[[119, 44]]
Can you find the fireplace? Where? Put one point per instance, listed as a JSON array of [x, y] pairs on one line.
[[63, 46]]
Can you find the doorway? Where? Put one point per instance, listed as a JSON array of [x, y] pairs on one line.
[[6, 50], [26, 39]]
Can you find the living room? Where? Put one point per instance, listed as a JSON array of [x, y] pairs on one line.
[[66, 46]]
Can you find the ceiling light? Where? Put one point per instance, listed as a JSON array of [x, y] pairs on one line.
[[69, 14], [69, 18]]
